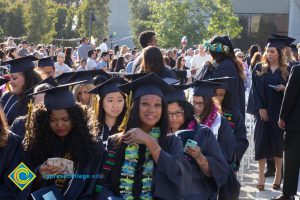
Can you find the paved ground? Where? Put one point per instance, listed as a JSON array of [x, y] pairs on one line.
[[249, 191]]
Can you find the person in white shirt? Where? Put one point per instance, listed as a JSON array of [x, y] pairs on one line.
[[199, 59], [103, 46], [82, 66], [188, 57], [91, 61], [60, 66]]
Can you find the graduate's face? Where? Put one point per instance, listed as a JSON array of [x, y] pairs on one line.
[[176, 116], [220, 94], [198, 103], [150, 110], [113, 104], [17, 82], [83, 96], [60, 122], [272, 54], [47, 71]]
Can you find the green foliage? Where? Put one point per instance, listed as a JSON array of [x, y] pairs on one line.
[[196, 19], [101, 11], [139, 11]]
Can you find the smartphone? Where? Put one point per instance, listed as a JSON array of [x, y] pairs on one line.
[[190, 143], [274, 87]]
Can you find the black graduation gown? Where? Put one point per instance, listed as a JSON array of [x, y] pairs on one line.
[[268, 136], [181, 75], [171, 177], [236, 86], [78, 188], [167, 73], [9, 160], [237, 123], [201, 184], [105, 133], [18, 126], [12, 107]]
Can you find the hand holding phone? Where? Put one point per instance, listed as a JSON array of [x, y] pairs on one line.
[[190, 143], [274, 87]]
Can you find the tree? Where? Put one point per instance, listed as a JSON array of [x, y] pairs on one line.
[[101, 11], [139, 11], [14, 20], [196, 19]]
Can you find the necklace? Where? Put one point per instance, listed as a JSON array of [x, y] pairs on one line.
[[209, 120], [129, 168]]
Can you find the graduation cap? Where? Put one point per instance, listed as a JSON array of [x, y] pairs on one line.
[[49, 80], [21, 64], [287, 40], [3, 81], [148, 84], [64, 77], [205, 88], [86, 75], [46, 62], [279, 43], [109, 86], [135, 76], [100, 79], [59, 97], [225, 80], [178, 93]]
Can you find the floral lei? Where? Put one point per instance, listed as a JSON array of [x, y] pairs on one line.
[[129, 166], [209, 120]]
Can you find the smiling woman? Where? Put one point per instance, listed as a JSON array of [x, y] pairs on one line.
[[145, 149]]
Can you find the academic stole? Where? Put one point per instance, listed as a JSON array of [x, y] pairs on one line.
[[62, 183]]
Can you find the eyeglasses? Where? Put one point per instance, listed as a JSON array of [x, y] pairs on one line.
[[183, 60], [197, 103], [176, 114]]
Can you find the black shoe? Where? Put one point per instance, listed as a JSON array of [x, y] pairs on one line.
[[282, 197], [269, 173]]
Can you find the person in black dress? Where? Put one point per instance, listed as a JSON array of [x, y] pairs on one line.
[[268, 84], [22, 78]]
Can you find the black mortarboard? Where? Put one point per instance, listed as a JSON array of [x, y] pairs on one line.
[[148, 84], [204, 88], [64, 77], [294, 48], [287, 40], [178, 93], [49, 80], [224, 80], [3, 81], [86, 75], [109, 86], [21, 64], [135, 76], [46, 62], [100, 79], [59, 97], [279, 43]]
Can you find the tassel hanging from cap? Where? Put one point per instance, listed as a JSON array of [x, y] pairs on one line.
[[8, 87], [126, 117], [28, 119]]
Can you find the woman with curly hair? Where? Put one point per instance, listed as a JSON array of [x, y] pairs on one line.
[[112, 107], [22, 78], [59, 137], [209, 167], [268, 84], [10, 150], [144, 161]]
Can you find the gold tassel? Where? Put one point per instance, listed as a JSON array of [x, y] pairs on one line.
[[126, 117], [28, 119], [8, 87], [95, 110]]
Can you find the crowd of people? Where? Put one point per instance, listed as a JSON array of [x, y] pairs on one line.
[[147, 123]]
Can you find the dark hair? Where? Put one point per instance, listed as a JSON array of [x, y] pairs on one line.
[[31, 79], [103, 54], [83, 60], [256, 58], [220, 56], [113, 64], [2, 54], [208, 106], [40, 142], [152, 60], [188, 112], [253, 49], [90, 53], [104, 40], [145, 38], [226, 103], [120, 64], [178, 62], [101, 115], [68, 52], [11, 50], [116, 48], [166, 60], [134, 119]]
